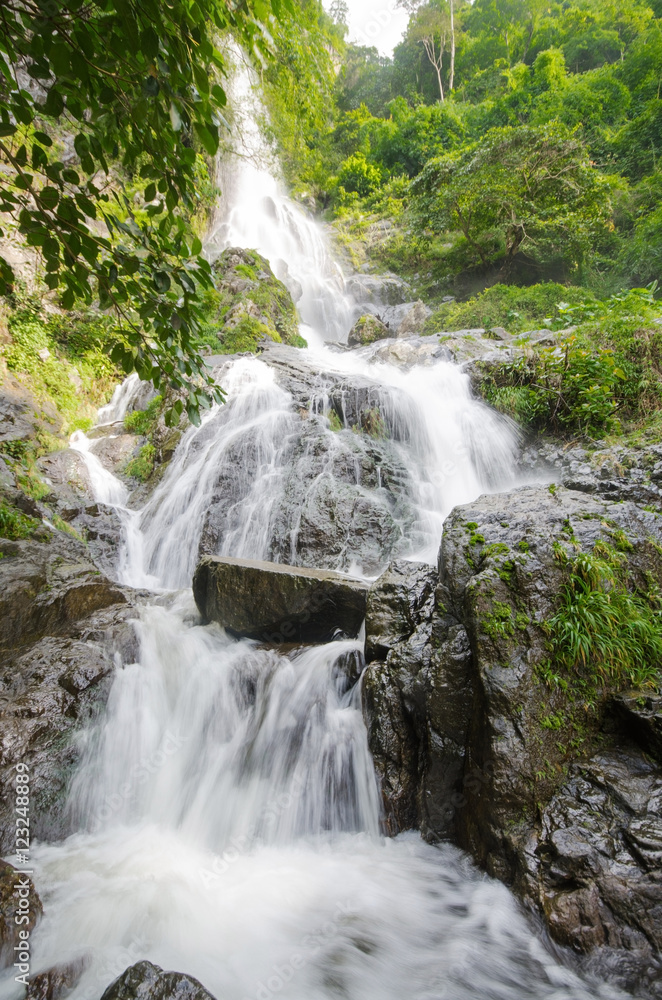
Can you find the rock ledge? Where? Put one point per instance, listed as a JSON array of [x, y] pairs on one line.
[[277, 603]]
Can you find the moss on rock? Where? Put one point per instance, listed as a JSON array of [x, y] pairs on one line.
[[250, 305]]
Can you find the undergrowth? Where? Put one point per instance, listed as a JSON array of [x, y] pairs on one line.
[[605, 633]]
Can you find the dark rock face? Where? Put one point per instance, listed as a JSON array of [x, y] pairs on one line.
[[278, 604], [459, 725], [341, 495], [12, 883], [145, 981], [640, 714], [56, 982], [416, 697], [47, 586], [63, 627], [48, 691], [598, 865]]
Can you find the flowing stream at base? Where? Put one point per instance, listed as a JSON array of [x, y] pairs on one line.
[[226, 804]]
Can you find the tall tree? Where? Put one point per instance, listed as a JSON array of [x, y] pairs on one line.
[[433, 25]]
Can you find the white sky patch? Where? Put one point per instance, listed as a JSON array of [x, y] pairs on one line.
[[376, 22]]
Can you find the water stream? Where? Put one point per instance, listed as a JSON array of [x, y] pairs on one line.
[[226, 808]]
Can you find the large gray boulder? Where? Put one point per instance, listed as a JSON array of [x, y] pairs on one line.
[[278, 604], [342, 492], [554, 792], [49, 691]]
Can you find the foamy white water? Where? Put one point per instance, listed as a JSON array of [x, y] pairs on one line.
[[226, 809]]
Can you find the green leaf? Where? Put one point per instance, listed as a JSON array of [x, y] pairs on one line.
[[49, 197], [208, 135], [162, 282], [44, 139], [54, 104]]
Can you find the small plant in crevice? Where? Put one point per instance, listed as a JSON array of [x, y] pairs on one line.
[[14, 524], [605, 632], [142, 466]]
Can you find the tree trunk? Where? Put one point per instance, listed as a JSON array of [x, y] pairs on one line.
[[452, 77], [441, 86]]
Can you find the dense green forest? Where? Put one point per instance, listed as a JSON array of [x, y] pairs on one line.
[[507, 156]]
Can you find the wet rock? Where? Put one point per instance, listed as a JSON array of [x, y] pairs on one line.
[[276, 603], [414, 321], [341, 489], [145, 981], [367, 330], [394, 746], [383, 290], [57, 982], [640, 712], [48, 693], [471, 743], [598, 862], [46, 586], [397, 604], [417, 700], [499, 564], [13, 887]]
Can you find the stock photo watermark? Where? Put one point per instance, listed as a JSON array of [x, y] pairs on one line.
[[309, 947], [139, 775]]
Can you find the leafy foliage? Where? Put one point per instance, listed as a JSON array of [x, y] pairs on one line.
[[134, 85], [527, 189], [603, 629]]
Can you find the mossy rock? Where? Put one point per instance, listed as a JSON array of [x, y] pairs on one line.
[[367, 330], [251, 304]]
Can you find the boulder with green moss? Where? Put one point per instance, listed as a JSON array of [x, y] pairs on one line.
[[514, 711], [367, 330], [251, 305]]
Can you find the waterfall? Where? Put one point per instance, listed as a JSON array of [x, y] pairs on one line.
[[226, 811], [255, 213]]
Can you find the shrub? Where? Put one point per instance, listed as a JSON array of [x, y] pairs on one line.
[[357, 175], [602, 630], [14, 524], [570, 387]]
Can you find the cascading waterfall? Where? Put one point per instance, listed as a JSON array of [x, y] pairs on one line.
[[226, 807], [255, 213]]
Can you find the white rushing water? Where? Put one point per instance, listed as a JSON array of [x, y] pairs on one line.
[[226, 807]]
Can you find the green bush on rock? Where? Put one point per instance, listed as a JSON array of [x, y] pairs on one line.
[[249, 305], [603, 632]]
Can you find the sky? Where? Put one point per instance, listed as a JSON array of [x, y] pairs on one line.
[[376, 22]]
